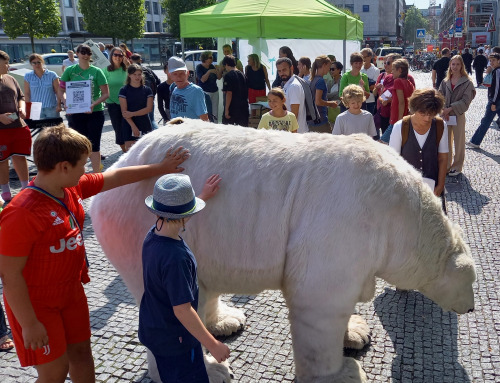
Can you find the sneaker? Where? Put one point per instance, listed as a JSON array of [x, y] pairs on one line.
[[472, 145], [7, 197], [454, 173]]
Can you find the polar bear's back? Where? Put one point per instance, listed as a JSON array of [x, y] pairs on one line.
[[280, 194]]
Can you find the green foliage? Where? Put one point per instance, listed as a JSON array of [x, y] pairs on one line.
[[349, 12], [175, 7], [37, 18], [119, 19], [413, 21]]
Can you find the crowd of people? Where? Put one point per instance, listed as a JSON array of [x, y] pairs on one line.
[[426, 126]]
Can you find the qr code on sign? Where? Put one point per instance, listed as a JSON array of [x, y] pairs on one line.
[[78, 96]]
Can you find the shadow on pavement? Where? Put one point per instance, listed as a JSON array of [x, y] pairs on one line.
[[460, 190], [424, 338], [117, 293]]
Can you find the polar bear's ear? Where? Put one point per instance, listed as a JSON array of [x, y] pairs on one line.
[[176, 121]]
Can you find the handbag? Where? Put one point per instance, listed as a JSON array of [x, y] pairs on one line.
[[488, 79]]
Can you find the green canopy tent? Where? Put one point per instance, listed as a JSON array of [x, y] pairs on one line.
[[309, 27]]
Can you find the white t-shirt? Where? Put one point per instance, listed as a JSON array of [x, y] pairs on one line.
[[348, 123], [396, 138], [372, 72], [295, 95], [66, 63]]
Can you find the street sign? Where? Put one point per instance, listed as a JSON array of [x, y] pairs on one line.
[[420, 33], [450, 33], [458, 34], [458, 24]]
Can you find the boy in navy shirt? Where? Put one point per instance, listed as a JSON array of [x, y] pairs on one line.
[[168, 322]]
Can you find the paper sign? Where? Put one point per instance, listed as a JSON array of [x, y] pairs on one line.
[[35, 110], [387, 95], [452, 120], [78, 96], [98, 58]]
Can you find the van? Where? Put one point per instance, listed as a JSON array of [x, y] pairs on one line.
[[381, 52]]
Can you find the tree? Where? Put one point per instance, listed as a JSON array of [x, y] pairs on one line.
[[414, 20], [37, 18], [119, 19], [176, 7]]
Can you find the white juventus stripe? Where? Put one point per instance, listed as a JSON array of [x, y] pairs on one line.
[[46, 350]]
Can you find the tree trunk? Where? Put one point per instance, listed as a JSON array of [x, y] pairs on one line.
[[32, 43]]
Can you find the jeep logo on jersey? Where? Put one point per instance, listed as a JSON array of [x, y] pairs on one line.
[[70, 244]]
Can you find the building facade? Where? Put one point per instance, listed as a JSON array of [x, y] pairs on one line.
[[383, 21], [73, 33]]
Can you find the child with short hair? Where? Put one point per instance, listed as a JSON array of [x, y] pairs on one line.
[[169, 325], [354, 119], [279, 118], [42, 254]]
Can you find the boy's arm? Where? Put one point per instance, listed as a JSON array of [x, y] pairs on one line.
[[16, 292], [124, 176], [192, 322]]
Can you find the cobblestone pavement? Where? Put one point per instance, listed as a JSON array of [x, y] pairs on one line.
[[412, 340]]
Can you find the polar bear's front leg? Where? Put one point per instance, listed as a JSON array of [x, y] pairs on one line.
[[317, 338], [357, 335], [220, 319]]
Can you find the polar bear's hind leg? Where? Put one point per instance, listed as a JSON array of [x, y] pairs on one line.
[[357, 335]]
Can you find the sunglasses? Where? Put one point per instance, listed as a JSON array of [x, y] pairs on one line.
[[117, 55], [332, 69], [35, 62], [85, 52]]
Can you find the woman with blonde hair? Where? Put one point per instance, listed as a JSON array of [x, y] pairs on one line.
[[257, 78], [42, 85], [319, 68], [458, 91]]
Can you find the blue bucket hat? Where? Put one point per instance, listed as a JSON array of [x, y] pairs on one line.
[[173, 197]]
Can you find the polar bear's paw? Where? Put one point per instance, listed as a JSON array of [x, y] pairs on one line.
[[217, 372], [351, 372], [357, 335], [228, 320]]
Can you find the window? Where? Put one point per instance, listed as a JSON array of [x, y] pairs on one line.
[[366, 8], [149, 26], [81, 24], [157, 26], [55, 60], [155, 8], [70, 23], [148, 7], [350, 7], [68, 3]]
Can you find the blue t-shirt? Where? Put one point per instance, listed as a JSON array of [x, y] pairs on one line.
[[137, 99], [211, 84], [319, 84], [188, 102], [42, 89], [169, 272]]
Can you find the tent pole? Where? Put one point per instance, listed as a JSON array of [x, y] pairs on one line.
[[182, 48], [344, 48]]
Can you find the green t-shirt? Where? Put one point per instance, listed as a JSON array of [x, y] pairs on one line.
[[116, 81], [76, 73], [348, 79]]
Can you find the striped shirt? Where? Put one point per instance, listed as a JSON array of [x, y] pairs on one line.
[[41, 89]]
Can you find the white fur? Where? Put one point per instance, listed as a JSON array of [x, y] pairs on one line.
[[315, 215]]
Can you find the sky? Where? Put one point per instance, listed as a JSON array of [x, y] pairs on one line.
[[420, 4]]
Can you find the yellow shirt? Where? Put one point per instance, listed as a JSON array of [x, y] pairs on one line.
[[287, 123]]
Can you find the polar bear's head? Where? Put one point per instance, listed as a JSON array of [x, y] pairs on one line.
[[452, 286]]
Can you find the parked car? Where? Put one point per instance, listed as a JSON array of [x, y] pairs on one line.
[[192, 59], [53, 62], [381, 52]]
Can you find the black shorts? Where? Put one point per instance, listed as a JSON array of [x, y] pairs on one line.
[[90, 125]]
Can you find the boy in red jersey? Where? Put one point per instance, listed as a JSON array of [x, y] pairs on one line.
[[42, 255]]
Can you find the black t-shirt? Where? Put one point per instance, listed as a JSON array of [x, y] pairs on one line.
[[137, 99], [234, 81], [441, 66]]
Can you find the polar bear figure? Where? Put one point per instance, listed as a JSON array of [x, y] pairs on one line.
[[314, 215]]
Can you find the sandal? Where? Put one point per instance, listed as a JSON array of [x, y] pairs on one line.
[[6, 343]]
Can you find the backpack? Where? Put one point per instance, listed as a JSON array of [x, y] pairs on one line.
[[405, 129], [312, 113], [151, 79]]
